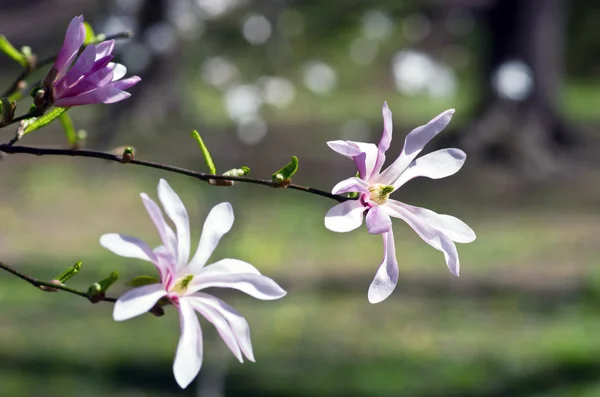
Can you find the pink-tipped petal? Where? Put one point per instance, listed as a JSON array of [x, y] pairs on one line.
[[164, 230], [176, 211], [435, 165], [188, 358], [386, 138], [238, 324], [386, 278], [126, 246], [219, 322], [434, 237], [255, 285], [218, 222], [345, 216], [413, 144], [137, 301], [378, 221], [74, 39], [351, 185]]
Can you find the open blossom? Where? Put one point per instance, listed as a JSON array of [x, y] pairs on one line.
[[182, 279], [93, 78], [375, 186]]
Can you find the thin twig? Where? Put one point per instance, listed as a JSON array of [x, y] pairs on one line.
[[50, 285], [9, 149]]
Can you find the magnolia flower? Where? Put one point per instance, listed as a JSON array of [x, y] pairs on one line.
[[92, 79], [375, 186], [182, 279]]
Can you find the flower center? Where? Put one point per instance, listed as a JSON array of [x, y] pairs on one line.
[[380, 193], [181, 285]]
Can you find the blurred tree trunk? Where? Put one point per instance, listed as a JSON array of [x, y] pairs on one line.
[[528, 133], [156, 99]]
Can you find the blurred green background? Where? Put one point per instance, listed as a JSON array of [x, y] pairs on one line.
[[265, 80]]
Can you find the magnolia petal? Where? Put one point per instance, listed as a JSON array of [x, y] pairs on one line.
[[83, 65], [104, 49], [138, 301], [386, 278], [238, 324], [434, 237], [99, 64], [227, 266], [129, 247], [386, 138], [344, 148], [378, 221], [119, 70], [218, 222], [188, 358], [176, 211], [220, 323], [345, 216], [89, 83], [351, 185], [255, 285], [363, 154], [365, 161], [165, 263], [435, 165], [125, 84], [74, 39], [164, 230], [451, 226], [413, 144], [105, 94]]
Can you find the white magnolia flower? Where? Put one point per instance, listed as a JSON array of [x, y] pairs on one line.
[[374, 187], [182, 279]]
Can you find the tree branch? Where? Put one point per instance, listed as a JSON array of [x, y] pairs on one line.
[[9, 149], [50, 286]]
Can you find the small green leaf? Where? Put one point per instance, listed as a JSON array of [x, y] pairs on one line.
[[70, 132], [103, 285], [90, 36], [205, 153], [108, 281], [70, 272], [287, 171], [140, 281], [7, 48], [243, 170], [353, 194], [44, 120]]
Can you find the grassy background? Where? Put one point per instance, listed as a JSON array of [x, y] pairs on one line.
[[521, 320]]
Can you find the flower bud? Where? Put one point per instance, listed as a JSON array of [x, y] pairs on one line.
[[39, 98], [8, 111], [50, 289], [127, 155]]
